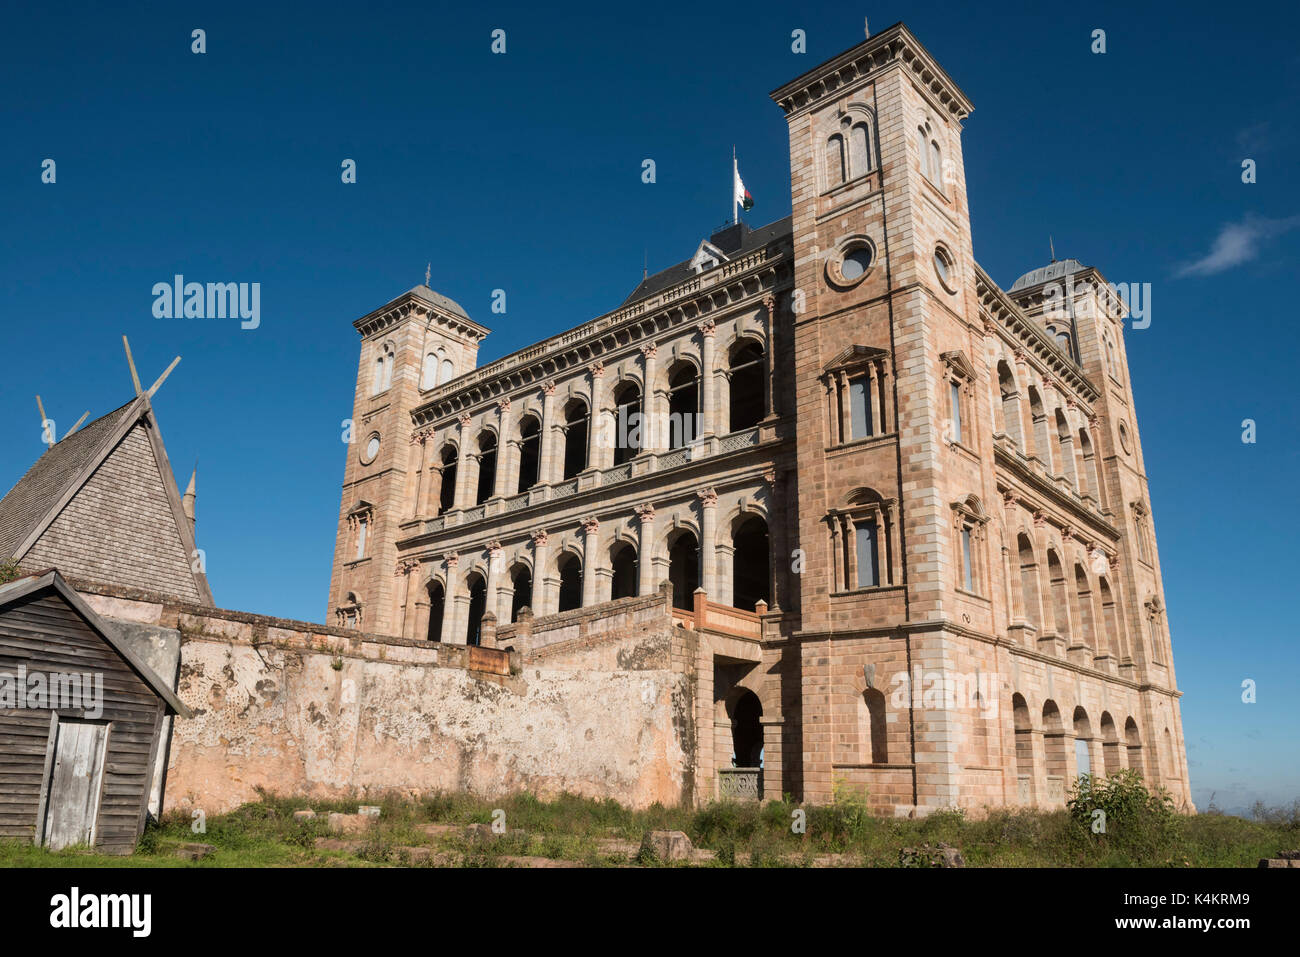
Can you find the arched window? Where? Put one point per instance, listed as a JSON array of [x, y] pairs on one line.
[[623, 562], [1112, 362], [1110, 618], [684, 568], [936, 163], [522, 581], [487, 467], [747, 375], [1065, 446], [530, 452], [1091, 480], [1133, 744], [923, 152], [575, 437], [1054, 750], [437, 606], [447, 494], [1109, 744], [873, 741], [1059, 620], [835, 169], [860, 159], [1083, 611], [570, 568], [751, 568], [429, 373], [448, 372], [683, 405], [477, 607], [1042, 442], [627, 440], [1010, 395], [383, 369]]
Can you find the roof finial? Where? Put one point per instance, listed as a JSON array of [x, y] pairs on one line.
[[428, 269], [645, 264], [866, 28], [1052, 246]]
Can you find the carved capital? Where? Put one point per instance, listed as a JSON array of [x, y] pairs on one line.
[[548, 387], [540, 538], [708, 328], [590, 525], [597, 370], [650, 350], [503, 405], [451, 560], [465, 420], [1040, 519], [708, 497], [1009, 499], [646, 513]]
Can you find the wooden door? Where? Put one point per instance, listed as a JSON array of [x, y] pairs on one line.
[[72, 803]]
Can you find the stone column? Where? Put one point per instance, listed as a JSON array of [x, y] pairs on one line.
[[418, 440], [780, 557], [403, 571], [590, 550], [599, 445], [551, 439], [649, 420], [464, 494], [645, 550], [708, 532], [542, 604], [450, 597], [707, 412], [769, 366], [505, 461], [495, 575]]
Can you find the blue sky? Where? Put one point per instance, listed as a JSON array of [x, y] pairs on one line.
[[522, 172]]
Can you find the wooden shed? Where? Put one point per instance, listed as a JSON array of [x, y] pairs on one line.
[[80, 721]]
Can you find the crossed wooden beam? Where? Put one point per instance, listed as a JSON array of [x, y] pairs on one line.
[[135, 380]]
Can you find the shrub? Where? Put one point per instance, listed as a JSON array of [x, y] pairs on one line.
[[1138, 822]]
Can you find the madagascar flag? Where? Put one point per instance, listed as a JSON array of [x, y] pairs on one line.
[[742, 197]]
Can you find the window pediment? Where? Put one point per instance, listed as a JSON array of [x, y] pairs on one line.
[[958, 363], [854, 357]]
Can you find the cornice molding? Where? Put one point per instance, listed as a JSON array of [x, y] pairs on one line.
[[893, 46]]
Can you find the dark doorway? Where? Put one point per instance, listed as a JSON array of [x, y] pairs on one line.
[[624, 581], [570, 582], [683, 406], [747, 731], [628, 439], [523, 585], [437, 606], [747, 386], [575, 438], [477, 606], [530, 453], [751, 569], [447, 494], [684, 569], [487, 467]]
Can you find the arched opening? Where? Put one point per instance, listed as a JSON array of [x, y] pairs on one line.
[[1082, 742], [1133, 744], [683, 405], [627, 441], [1054, 750], [623, 562], [1091, 481], [1059, 619], [684, 568], [1065, 450], [487, 467], [575, 437], [1109, 618], [1028, 579], [570, 568], [437, 607], [1042, 439], [835, 160], [747, 385], [860, 160], [751, 567], [1024, 749], [746, 731], [873, 738], [448, 372], [530, 452], [1083, 594], [447, 494], [1109, 744], [429, 373], [1011, 424], [477, 607], [522, 582]]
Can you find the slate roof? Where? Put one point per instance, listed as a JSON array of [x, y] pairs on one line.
[[735, 241], [438, 299], [28, 502], [1053, 270]]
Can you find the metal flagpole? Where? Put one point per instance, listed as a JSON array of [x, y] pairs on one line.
[[735, 171]]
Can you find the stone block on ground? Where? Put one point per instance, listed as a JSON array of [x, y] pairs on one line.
[[668, 845], [193, 852]]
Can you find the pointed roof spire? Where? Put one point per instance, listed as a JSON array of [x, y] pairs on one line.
[[1052, 246], [187, 500]]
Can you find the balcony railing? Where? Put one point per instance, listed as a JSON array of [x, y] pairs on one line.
[[740, 784]]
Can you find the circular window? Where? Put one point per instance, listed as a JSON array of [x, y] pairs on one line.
[[371, 450], [850, 262], [856, 264], [944, 268], [1123, 438]]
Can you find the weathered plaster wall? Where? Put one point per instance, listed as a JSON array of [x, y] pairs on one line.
[[319, 711]]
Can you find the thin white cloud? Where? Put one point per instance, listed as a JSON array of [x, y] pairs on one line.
[[1238, 243]]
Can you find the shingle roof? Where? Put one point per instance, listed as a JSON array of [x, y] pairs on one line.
[[736, 240], [28, 502]]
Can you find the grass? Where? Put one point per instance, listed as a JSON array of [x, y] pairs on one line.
[[571, 828]]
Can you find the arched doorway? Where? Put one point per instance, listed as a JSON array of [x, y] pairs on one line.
[[487, 467], [751, 566], [627, 438], [447, 494], [623, 561], [575, 438], [477, 607], [522, 581], [683, 405], [530, 446], [747, 387], [746, 731], [570, 568], [437, 606], [684, 568]]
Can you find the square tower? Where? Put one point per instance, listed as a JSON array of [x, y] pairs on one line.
[[410, 347]]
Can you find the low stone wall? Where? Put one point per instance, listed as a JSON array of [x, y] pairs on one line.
[[307, 709]]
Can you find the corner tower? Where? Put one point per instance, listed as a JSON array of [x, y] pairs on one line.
[[887, 352], [409, 347]]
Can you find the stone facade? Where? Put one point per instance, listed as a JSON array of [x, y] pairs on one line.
[[903, 512]]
